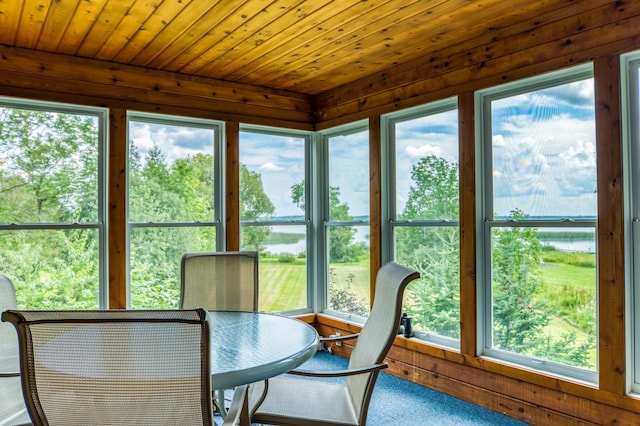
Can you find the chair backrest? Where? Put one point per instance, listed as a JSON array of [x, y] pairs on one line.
[[378, 332], [12, 406], [220, 281], [117, 367]]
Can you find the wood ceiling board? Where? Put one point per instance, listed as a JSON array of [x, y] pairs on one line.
[[216, 43], [57, 22], [306, 48], [373, 38], [31, 22], [132, 22], [162, 16], [167, 34], [103, 28], [266, 46], [83, 19], [10, 12], [228, 46]]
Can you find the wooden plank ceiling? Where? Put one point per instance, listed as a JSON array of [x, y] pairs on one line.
[[305, 46]]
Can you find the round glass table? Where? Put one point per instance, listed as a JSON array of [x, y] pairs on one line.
[[248, 347]]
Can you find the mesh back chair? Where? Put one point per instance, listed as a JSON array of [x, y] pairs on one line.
[[115, 367], [220, 281], [12, 408], [290, 401]]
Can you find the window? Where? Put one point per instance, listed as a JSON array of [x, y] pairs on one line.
[[274, 215], [538, 210], [423, 214], [344, 213], [631, 116], [174, 202], [52, 204]]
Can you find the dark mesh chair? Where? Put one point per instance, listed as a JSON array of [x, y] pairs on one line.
[[115, 367]]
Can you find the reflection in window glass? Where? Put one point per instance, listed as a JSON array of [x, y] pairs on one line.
[[283, 269], [52, 269], [170, 172], [51, 212], [155, 255], [349, 289], [541, 227], [273, 215], [426, 236], [347, 239], [171, 190]]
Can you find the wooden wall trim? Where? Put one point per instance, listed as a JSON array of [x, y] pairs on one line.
[[232, 185], [117, 210], [45, 75], [467, 178], [375, 202], [611, 279]]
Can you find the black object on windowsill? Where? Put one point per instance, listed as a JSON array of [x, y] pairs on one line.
[[405, 328]]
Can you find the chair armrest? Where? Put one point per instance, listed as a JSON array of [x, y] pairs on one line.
[[340, 373], [16, 374], [339, 338], [238, 414]]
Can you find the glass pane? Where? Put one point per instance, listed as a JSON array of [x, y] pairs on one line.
[[349, 176], [349, 288], [427, 167], [544, 293], [433, 301], [155, 263], [52, 269], [272, 170], [48, 167], [171, 173], [543, 149], [283, 267]]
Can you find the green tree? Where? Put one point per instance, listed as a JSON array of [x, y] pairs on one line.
[[342, 247], [49, 174], [254, 205], [520, 317], [434, 300]]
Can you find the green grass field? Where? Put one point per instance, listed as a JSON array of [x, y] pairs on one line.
[[568, 288]]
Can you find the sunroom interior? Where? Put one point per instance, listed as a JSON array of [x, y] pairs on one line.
[[328, 74]]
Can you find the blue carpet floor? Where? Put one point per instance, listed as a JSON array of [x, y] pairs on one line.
[[396, 401], [400, 402]]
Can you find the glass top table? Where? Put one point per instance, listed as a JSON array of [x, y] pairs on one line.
[[248, 347]]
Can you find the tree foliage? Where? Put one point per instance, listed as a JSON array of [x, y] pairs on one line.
[[49, 166]]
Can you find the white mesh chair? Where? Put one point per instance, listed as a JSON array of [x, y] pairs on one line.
[[12, 408], [294, 401], [115, 367], [219, 281]]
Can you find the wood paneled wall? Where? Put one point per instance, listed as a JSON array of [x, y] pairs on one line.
[[576, 32]]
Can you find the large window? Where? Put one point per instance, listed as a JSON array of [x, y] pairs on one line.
[[274, 215], [631, 110], [423, 214], [52, 204], [344, 212], [174, 202], [538, 212]]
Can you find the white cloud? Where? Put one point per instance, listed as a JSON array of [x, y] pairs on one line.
[[423, 151], [270, 167]]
